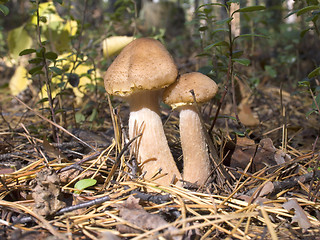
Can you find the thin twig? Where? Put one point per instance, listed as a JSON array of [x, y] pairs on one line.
[[56, 125]]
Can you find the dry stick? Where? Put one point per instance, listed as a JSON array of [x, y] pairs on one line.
[[314, 169], [284, 121], [46, 70], [41, 219], [36, 148], [118, 160], [314, 100], [54, 124], [212, 149]]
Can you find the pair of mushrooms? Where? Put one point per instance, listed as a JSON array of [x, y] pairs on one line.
[[139, 74]]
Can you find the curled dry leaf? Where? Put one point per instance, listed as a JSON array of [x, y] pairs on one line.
[[263, 154], [132, 212], [246, 116], [300, 216], [46, 193], [265, 190]]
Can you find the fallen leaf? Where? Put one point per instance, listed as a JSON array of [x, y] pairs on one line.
[[134, 213], [300, 216], [263, 154], [19, 81], [46, 193], [246, 116], [265, 190], [52, 151]]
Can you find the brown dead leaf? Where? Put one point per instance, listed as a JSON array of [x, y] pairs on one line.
[[263, 154], [265, 190], [258, 200], [52, 151], [46, 193], [300, 216], [245, 114], [134, 213]]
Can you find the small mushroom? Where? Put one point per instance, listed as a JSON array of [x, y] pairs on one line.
[[196, 165], [139, 74]]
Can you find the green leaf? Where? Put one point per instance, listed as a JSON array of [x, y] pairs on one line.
[[93, 115], [43, 19], [51, 56], [250, 9], [315, 72], [291, 13], [27, 51], [35, 69], [239, 133], [303, 32], [316, 102], [56, 70], [250, 35], [43, 100], [304, 83], [219, 30], [307, 9], [242, 61], [4, 9], [220, 43], [211, 4], [36, 60], [85, 183], [79, 117], [203, 28], [223, 21]]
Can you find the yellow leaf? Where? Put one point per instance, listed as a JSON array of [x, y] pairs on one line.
[[19, 81], [113, 45], [71, 26], [65, 62], [49, 11], [18, 40]]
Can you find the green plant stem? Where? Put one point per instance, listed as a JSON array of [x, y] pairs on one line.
[[47, 78], [230, 75], [80, 36]]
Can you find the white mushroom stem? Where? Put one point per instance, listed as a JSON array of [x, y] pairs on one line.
[[153, 149], [195, 155]]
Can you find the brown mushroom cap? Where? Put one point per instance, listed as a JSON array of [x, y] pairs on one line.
[[144, 64], [178, 94]]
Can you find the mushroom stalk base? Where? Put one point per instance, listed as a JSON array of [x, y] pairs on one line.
[[196, 163], [151, 148]]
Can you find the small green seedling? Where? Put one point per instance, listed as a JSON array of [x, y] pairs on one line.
[[83, 184]]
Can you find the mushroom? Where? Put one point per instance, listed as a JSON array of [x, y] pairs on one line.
[[139, 74], [196, 163]]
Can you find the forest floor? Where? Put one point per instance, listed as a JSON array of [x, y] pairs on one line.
[[273, 191]]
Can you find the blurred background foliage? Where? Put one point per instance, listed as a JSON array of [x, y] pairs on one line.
[[63, 46]]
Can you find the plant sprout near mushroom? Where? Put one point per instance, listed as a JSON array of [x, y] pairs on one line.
[[196, 166], [139, 74]]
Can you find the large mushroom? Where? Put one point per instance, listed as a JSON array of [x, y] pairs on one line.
[[139, 74], [196, 163]]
